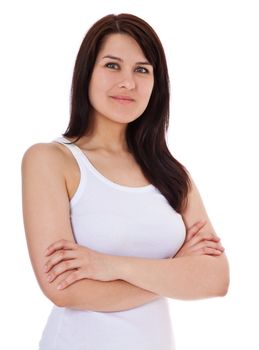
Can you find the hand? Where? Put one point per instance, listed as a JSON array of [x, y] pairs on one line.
[[200, 243], [83, 262]]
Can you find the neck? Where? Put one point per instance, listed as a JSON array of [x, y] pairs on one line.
[[107, 135]]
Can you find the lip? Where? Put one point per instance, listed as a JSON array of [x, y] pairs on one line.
[[122, 98]]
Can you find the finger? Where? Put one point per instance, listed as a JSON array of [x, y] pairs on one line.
[[208, 244], [70, 279], [203, 236], [207, 251], [211, 251], [195, 228], [61, 244], [61, 268], [57, 257]]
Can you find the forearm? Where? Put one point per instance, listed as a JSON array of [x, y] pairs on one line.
[[195, 277], [102, 296]]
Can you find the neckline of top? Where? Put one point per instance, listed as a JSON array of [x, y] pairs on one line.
[[105, 179]]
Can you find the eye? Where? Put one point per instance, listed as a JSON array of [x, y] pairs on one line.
[[111, 65], [142, 70]]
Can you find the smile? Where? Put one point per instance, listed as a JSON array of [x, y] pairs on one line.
[[122, 99]]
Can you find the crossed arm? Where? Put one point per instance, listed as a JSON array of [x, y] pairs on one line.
[[46, 219]]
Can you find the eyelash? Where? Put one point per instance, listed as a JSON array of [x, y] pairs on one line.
[[146, 70]]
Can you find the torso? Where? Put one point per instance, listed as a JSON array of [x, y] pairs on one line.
[[121, 169]]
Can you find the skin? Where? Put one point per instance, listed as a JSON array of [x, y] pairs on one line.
[[113, 77], [88, 279]]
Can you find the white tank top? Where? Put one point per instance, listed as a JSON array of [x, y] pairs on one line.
[[126, 221]]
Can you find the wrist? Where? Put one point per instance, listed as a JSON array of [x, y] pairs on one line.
[[117, 266]]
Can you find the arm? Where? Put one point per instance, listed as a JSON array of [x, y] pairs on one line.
[[102, 296], [46, 214], [189, 277], [185, 278]]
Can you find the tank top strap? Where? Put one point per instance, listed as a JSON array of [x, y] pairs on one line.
[[74, 150], [79, 157]]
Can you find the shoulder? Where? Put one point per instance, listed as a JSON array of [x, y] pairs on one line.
[[43, 151], [50, 163], [49, 156]]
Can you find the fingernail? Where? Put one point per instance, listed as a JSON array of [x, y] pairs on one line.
[[60, 286]]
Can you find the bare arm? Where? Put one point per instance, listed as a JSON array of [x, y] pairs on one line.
[[187, 277], [102, 296], [46, 214]]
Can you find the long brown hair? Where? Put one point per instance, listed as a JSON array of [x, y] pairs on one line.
[[145, 136]]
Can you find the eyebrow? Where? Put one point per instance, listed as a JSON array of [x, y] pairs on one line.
[[121, 60]]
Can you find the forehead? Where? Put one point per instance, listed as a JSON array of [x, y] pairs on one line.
[[121, 45]]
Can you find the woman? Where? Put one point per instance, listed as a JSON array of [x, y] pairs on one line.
[[114, 223]]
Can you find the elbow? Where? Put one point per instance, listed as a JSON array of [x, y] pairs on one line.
[[222, 292], [58, 301], [223, 279], [58, 298], [61, 299], [217, 283], [224, 286]]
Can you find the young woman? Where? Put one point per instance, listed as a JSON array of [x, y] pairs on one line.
[[114, 223]]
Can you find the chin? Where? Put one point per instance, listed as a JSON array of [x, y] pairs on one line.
[[123, 118]]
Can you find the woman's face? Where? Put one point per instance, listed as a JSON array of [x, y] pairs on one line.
[[122, 80]]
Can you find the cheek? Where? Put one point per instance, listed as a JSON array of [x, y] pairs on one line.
[[100, 85], [95, 89], [91, 88], [147, 91]]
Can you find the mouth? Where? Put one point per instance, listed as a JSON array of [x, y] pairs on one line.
[[122, 99]]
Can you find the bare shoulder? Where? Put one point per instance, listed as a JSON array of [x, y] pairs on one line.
[[42, 154], [52, 159]]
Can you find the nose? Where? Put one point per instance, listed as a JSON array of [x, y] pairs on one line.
[[127, 82]]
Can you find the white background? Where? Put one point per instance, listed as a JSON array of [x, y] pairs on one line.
[[212, 53]]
